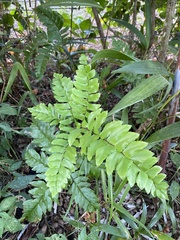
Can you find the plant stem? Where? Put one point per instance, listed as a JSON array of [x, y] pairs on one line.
[[99, 26], [171, 115], [171, 4]]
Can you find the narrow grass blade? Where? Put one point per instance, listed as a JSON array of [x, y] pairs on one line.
[[130, 217], [17, 67], [157, 216], [122, 226], [173, 218], [165, 133], [145, 89]]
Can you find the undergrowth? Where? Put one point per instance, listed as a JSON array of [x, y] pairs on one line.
[[74, 142]]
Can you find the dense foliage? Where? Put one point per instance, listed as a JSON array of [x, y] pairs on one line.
[[91, 142]]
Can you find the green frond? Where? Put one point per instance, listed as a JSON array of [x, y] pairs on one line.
[[36, 161], [61, 163], [62, 88], [85, 91], [52, 20], [42, 202], [83, 195], [41, 60], [45, 113], [84, 133], [42, 134]]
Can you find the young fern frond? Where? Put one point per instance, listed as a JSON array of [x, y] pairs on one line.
[[84, 133]]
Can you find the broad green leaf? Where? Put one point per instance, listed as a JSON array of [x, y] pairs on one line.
[[132, 174], [7, 109], [142, 179], [7, 203], [103, 152], [85, 25], [133, 147], [83, 195], [82, 234], [21, 182], [174, 190], [110, 128], [72, 3], [5, 126], [161, 235], [125, 139], [149, 186], [143, 67], [152, 172], [123, 167], [145, 89], [13, 225], [112, 54], [140, 156], [175, 158], [111, 161], [168, 132]]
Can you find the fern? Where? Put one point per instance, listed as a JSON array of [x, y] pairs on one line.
[[52, 20], [84, 133], [146, 109], [83, 195], [36, 161], [42, 134], [41, 60], [34, 208]]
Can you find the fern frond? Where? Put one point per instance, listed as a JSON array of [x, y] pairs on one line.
[[83, 131], [41, 60], [36, 161], [52, 20], [60, 163], [83, 195], [42, 202], [42, 134], [128, 158], [45, 113], [85, 91]]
